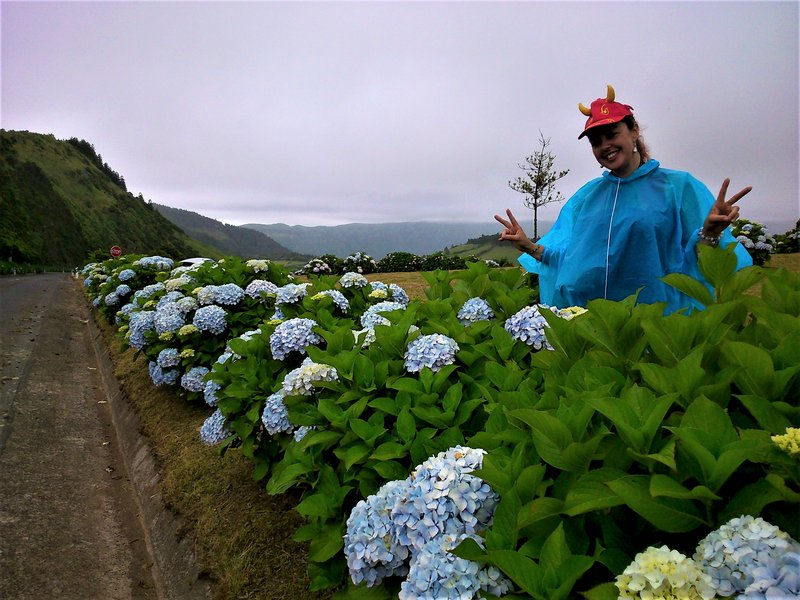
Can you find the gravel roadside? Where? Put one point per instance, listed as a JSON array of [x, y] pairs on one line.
[[71, 524]]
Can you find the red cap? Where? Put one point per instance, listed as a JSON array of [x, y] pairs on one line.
[[604, 111]]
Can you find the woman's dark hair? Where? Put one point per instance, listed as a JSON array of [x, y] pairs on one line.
[[644, 151]]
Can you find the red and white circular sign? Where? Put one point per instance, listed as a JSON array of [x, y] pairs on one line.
[[116, 251]]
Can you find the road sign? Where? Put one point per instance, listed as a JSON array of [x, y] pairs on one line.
[[116, 251]]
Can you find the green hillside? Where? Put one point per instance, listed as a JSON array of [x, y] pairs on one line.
[[60, 204], [230, 239], [486, 247]]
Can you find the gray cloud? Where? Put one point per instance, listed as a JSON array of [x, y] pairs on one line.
[[332, 112]]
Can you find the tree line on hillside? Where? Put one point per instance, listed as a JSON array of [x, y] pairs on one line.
[[89, 152]]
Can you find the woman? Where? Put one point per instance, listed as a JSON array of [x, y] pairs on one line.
[[622, 232]]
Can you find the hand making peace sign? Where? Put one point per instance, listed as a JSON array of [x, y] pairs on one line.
[[514, 233], [723, 212]]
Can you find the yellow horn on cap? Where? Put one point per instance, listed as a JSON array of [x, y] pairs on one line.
[[610, 95], [584, 110]]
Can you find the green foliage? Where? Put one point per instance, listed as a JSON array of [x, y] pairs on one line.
[[399, 262], [648, 429], [440, 260]]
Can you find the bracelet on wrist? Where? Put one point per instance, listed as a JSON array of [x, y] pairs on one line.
[[712, 240], [533, 251]]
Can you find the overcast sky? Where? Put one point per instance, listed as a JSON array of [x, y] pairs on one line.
[[322, 113]]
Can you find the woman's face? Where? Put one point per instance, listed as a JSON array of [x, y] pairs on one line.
[[613, 146]]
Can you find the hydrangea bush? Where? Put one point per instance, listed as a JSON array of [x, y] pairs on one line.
[[617, 430], [758, 242], [788, 242], [360, 262]]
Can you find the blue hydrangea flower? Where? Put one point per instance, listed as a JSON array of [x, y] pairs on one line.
[[474, 310], [140, 322], [210, 318], [300, 381], [777, 579], [528, 325], [421, 518], [227, 355], [275, 415], [125, 312], [96, 301], [205, 295], [379, 285], [228, 294], [339, 300], [169, 318], [731, 554], [302, 432], [111, 299], [258, 288], [161, 376], [293, 336], [436, 573], [169, 298], [126, 275], [186, 304], [168, 357], [445, 498], [210, 392], [192, 380], [290, 293], [370, 547], [122, 290], [398, 294], [88, 267], [159, 262], [214, 430], [249, 335], [147, 291], [351, 279], [433, 351], [745, 241], [372, 317]]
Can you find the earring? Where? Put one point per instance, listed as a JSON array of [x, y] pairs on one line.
[[635, 146]]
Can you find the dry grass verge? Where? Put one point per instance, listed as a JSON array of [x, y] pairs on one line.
[[242, 535]]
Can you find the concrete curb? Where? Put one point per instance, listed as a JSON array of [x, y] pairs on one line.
[[175, 570]]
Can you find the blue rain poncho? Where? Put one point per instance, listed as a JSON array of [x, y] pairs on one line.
[[616, 235]]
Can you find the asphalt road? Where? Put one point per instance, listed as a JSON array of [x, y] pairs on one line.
[[69, 523]]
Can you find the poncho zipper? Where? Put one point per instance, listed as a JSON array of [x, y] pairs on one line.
[[608, 243]]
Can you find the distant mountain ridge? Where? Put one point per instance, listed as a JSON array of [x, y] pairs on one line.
[[376, 239], [229, 239]]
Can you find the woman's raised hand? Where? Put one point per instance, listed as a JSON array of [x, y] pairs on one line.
[[513, 232], [724, 211]]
